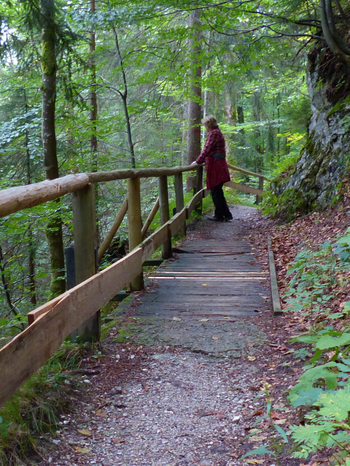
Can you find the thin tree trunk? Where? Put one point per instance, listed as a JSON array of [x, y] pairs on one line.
[[6, 285], [124, 96], [31, 252], [259, 146], [194, 106], [94, 114], [231, 117], [54, 227], [184, 134]]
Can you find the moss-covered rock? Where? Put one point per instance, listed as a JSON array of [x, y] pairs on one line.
[[323, 166]]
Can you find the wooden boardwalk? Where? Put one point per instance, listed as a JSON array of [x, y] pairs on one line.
[[215, 277]]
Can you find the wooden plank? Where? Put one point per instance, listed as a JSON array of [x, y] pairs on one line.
[[21, 197], [29, 350], [194, 201], [177, 222], [39, 311], [154, 241], [153, 262], [243, 187], [276, 303]]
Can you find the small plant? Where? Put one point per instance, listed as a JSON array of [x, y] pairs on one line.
[[314, 274], [325, 388], [273, 427], [34, 410]]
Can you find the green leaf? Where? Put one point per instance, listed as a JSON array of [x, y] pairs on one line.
[[305, 398], [281, 432], [262, 450], [328, 342], [335, 405]]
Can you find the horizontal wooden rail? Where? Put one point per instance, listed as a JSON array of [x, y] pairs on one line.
[[247, 172], [21, 197], [52, 322], [97, 177], [244, 188]]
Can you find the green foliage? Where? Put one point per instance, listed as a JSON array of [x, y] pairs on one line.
[[35, 409], [285, 205], [324, 386], [314, 275]]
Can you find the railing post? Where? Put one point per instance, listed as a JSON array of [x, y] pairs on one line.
[[179, 196], [198, 187], [261, 187], [164, 214], [84, 214], [135, 224]]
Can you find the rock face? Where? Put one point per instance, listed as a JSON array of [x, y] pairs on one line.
[[323, 166]]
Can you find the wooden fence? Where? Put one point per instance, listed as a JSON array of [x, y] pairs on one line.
[[79, 307]]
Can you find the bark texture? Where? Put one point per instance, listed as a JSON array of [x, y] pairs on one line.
[[49, 66]]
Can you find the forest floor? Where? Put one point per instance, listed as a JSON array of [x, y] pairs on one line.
[[159, 404]]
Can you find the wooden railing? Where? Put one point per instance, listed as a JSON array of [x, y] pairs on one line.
[[78, 307]]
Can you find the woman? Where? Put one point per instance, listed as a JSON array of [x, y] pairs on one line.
[[214, 156]]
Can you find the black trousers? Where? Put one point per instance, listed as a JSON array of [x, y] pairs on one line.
[[222, 211]]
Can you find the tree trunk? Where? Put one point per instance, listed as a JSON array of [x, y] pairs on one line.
[[124, 96], [31, 248], [48, 63], [94, 114], [5, 285], [241, 152], [259, 146], [194, 105], [231, 118]]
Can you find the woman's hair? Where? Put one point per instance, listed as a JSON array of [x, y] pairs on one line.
[[210, 122]]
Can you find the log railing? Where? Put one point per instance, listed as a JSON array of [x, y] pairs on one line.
[[245, 188], [79, 307]]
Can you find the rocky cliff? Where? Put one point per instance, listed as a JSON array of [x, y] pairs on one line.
[[322, 170]]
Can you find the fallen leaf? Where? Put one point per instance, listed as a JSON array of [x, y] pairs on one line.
[[100, 412], [118, 440], [258, 438], [215, 338], [251, 358], [203, 320], [84, 432], [82, 450], [204, 284], [177, 319], [252, 461]]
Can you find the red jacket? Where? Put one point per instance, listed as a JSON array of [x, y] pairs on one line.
[[214, 156]]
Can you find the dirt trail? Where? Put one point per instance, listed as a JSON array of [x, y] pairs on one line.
[[184, 391]]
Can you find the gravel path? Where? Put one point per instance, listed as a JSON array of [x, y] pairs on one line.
[[160, 404]]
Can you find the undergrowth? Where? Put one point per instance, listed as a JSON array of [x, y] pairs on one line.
[[35, 409], [323, 389], [322, 394]]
